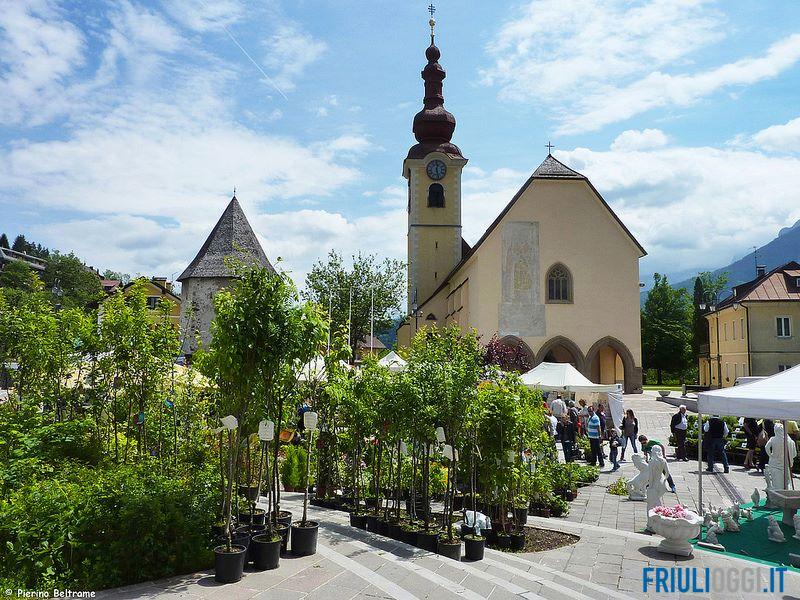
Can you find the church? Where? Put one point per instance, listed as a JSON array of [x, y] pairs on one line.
[[556, 273]]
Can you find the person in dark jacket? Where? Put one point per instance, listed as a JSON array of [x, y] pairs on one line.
[[769, 430], [566, 433], [678, 426], [630, 430], [751, 431], [716, 430]]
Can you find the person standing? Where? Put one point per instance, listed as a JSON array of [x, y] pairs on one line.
[[751, 431], [630, 429], [566, 432], [716, 431], [678, 426], [594, 432], [613, 445], [583, 413], [557, 407], [767, 432], [647, 449]]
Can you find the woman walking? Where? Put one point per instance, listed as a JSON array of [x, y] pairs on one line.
[[751, 431], [630, 429]]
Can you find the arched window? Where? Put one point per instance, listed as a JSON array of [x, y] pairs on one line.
[[559, 284], [436, 196]]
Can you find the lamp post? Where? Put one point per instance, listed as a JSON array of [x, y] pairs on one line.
[[712, 308]]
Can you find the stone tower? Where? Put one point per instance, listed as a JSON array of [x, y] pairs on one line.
[[433, 170], [232, 237]]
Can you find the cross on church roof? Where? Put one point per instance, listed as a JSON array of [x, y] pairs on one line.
[[549, 147], [431, 9]]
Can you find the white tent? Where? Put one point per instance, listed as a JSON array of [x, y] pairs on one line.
[[776, 398], [315, 370], [564, 377], [393, 362]]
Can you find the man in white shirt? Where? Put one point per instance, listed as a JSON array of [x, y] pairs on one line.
[[558, 408], [678, 425]]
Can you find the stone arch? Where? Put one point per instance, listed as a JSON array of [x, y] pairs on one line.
[[632, 374], [560, 341]]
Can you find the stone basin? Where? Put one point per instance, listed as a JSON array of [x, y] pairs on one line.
[[788, 500]]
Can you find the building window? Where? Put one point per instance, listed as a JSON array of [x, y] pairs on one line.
[[741, 327], [784, 327], [782, 368], [559, 284], [734, 330], [152, 302], [727, 372], [436, 196], [744, 370], [735, 371], [725, 331]]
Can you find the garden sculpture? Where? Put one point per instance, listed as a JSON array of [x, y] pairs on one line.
[[711, 535], [638, 485], [729, 522], [708, 519], [796, 520], [747, 514], [778, 466], [755, 497], [735, 512], [657, 473], [477, 520], [774, 532]]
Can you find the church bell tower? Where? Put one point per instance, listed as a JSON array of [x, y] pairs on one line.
[[433, 170]]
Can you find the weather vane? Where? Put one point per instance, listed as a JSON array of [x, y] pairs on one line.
[[432, 22]]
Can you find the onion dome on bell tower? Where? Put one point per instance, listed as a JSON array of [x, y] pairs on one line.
[[433, 125]]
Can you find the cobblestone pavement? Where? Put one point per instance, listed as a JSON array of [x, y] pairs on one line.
[[594, 506], [352, 564]]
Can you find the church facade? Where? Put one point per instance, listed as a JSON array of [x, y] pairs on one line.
[[556, 273]]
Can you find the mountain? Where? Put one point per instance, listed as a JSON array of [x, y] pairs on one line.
[[779, 251]]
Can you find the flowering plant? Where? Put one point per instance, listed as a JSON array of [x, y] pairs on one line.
[[673, 512]]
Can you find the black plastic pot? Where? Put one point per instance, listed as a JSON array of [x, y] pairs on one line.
[[466, 530], [394, 531], [250, 492], [382, 527], [372, 523], [473, 547], [304, 538], [283, 531], [427, 540], [357, 520], [285, 518], [218, 529], [490, 535], [228, 566], [449, 550], [503, 541], [371, 502], [266, 552], [409, 536], [517, 541]]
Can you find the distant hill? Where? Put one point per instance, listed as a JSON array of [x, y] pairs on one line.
[[779, 251]]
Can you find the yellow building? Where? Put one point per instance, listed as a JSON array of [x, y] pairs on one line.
[[751, 333], [155, 289], [556, 273]]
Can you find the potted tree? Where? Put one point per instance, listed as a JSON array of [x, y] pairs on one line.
[[266, 547], [304, 532]]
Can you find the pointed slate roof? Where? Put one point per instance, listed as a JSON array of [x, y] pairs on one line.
[[231, 236], [551, 168]]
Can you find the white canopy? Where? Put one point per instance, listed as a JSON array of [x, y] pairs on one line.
[[393, 362], [315, 370], [776, 398], [564, 377]]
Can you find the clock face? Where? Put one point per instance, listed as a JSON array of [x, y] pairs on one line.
[[436, 169]]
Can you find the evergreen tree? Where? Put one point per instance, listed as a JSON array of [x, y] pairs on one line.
[[3, 241], [666, 329], [20, 244], [699, 323]]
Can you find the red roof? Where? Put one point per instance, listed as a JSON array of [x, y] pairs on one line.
[[778, 284]]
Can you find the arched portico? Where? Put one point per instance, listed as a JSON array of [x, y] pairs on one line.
[[561, 349], [610, 361]]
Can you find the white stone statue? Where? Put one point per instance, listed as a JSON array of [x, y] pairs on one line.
[[735, 512], [796, 521], [729, 522], [711, 535], [747, 514], [755, 497], [638, 485], [779, 466], [774, 532], [657, 473], [708, 519]]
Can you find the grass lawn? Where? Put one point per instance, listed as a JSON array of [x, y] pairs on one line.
[[655, 388]]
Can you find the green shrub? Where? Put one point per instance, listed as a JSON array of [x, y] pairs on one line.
[[293, 467], [558, 506], [105, 527], [619, 487]]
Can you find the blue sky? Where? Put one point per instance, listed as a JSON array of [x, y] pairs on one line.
[[125, 125]]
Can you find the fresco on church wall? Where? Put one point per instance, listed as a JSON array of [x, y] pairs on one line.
[[521, 310]]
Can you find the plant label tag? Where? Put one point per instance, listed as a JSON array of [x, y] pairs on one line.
[[230, 422], [266, 431], [448, 451], [512, 456], [440, 435], [310, 420], [455, 455]]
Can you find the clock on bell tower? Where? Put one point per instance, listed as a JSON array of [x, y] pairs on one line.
[[433, 170]]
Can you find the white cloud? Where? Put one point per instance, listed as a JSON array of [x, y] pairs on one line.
[[633, 139], [780, 138], [205, 16], [39, 50], [289, 51]]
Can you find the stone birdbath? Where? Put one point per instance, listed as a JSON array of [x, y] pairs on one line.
[[788, 500], [677, 525]]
